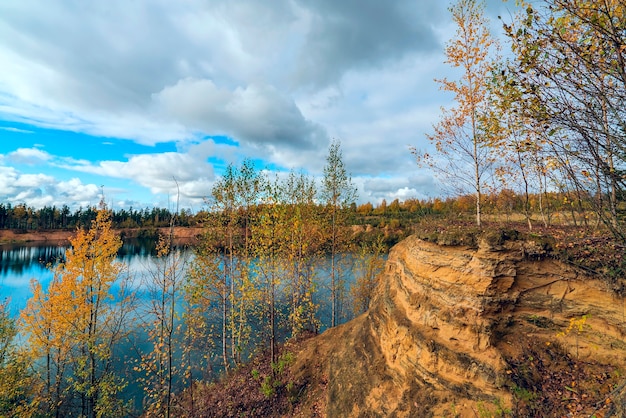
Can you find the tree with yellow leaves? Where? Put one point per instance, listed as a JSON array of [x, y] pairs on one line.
[[524, 145], [337, 193], [302, 248], [269, 234], [219, 279], [75, 324], [369, 264], [17, 387], [570, 64], [163, 364], [462, 137]]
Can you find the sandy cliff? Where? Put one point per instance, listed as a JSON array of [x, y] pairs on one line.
[[463, 331]]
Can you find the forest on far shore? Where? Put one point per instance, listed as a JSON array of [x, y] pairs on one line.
[[505, 205]]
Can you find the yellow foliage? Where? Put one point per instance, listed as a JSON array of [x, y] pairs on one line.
[[575, 324], [71, 324]]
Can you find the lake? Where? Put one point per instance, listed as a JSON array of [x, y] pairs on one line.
[[20, 263]]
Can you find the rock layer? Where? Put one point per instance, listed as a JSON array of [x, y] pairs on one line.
[[444, 325]]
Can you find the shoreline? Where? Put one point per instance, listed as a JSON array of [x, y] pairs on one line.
[[10, 236]]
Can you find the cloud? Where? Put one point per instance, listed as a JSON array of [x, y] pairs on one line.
[[77, 192], [17, 130], [279, 78], [257, 114], [30, 156], [402, 188], [361, 34], [187, 172], [141, 127], [38, 190], [33, 180], [161, 172], [8, 176], [104, 81]]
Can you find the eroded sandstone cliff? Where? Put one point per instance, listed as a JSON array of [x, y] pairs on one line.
[[464, 331]]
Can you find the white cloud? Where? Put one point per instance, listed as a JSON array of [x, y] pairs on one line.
[[33, 180], [103, 81], [77, 192], [18, 130], [279, 77], [256, 114], [8, 176], [39, 190], [29, 156], [160, 172], [399, 187]]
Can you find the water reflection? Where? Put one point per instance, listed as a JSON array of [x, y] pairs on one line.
[[20, 264], [16, 260]]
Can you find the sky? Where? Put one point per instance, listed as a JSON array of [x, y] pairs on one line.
[[149, 100]]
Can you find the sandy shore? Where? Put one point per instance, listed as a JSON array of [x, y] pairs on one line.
[[58, 236]]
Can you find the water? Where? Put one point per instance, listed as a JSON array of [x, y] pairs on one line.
[[22, 263]]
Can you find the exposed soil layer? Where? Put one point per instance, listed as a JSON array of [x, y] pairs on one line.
[[462, 325], [493, 328], [62, 236]]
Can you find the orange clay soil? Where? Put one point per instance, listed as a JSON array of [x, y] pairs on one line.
[[61, 236]]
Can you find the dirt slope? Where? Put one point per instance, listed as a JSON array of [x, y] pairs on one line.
[[471, 332]]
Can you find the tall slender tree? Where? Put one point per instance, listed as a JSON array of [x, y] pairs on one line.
[[207, 292], [249, 184], [162, 364], [269, 234], [570, 63], [302, 247], [462, 136], [75, 325], [223, 262], [337, 193], [224, 214]]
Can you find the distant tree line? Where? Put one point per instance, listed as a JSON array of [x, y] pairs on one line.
[[22, 217], [395, 214]]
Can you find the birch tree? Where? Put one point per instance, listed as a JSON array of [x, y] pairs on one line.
[[462, 138], [570, 62], [17, 387], [269, 233], [76, 323], [337, 193], [162, 365], [220, 275], [301, 251]]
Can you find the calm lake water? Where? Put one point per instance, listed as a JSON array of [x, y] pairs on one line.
[[19, 264]]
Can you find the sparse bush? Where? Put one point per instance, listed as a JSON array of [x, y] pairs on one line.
[[267, 387]]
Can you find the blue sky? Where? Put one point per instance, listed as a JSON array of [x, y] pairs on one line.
[[128, 96]]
